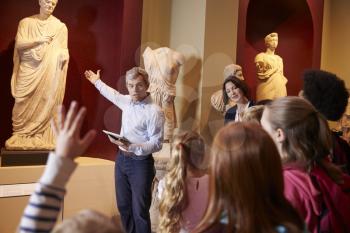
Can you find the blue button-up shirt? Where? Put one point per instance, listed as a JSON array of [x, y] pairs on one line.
[[142, 121]]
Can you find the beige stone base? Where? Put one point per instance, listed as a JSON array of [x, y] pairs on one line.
[[91, 186]]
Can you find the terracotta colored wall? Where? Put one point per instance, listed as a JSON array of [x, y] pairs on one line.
[[102, 35], [299, 25]]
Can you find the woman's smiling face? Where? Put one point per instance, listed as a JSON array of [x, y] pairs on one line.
[[233, 92]]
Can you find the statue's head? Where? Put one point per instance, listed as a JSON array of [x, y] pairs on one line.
[[233, 70], [47, 6], [271, 40]]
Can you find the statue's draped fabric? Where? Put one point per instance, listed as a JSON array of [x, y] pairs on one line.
[[271, 81], [38, 82], [163, 65]]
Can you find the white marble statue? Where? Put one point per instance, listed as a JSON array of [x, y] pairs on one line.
[[38, 79], [163, 66], [216, 99], [271, 80]]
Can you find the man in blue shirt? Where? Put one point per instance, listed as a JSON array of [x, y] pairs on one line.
[[142, 126]]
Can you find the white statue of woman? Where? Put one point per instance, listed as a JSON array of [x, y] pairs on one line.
[[38, 79], [163, 66], [271, 80]]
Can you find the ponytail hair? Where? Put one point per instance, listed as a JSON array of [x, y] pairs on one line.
[[308, 137], [188, 152]]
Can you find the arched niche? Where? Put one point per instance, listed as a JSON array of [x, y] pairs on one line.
[[299, 25], [101, 35]]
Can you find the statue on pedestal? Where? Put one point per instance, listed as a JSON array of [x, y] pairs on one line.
[[38, 79], [271, 80], [217, 100], [163, 66]]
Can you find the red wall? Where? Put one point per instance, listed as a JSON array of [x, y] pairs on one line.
[[102, 35], [299, 25]]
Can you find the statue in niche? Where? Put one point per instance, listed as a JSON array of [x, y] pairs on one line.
[[38, 79], [163, 66], [216, 99], [271, 80]]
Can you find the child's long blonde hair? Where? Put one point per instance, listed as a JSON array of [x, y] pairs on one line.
[[188, 152]]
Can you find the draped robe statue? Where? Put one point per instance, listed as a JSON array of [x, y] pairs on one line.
[[38, 81], [271, 80], [163, 66]]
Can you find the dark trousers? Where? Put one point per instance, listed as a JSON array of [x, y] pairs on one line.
[[133, 182]]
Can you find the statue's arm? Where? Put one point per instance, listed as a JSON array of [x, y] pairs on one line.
[[24, 42], [64, 54]]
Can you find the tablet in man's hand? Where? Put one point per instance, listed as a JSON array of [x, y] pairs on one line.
[[116, 136]]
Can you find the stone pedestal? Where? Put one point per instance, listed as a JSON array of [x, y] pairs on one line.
[[23, 157], [161, 158], [90, 187]]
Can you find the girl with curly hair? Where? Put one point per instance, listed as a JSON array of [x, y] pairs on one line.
[[184, 189]]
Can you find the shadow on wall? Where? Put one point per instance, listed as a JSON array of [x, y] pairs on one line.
[[215, 118], [6, 64], [83, 50], [82, 39], [189, 101]]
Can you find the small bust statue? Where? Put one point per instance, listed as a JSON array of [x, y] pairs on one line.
[[163, 66], [38, 78], [216, 99], [271, 81]]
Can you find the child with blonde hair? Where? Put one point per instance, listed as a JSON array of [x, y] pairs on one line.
[[184, 189]]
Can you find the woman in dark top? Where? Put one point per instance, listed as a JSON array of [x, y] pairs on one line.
[[236, 90]]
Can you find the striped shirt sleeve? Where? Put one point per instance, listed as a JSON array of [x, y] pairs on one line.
[[43, 208]]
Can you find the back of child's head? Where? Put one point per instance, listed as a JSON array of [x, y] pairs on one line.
[[246, 181], [88, 221], [253, 113], [188, 153], [190, 146], [326, 92], [307, 135]]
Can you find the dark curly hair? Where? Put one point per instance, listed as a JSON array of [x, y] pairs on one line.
[[238, 83], [326, 92]]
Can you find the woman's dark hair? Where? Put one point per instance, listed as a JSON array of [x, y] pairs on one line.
[[238, 83]]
